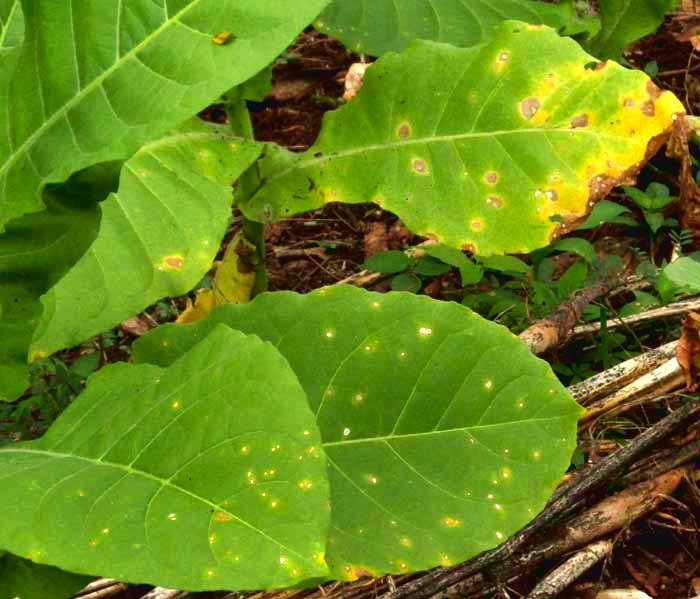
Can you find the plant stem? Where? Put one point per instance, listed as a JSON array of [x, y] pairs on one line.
[[239, 119]]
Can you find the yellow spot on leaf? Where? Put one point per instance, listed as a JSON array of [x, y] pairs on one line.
[[175, 262], [223, 517], [221, 38]]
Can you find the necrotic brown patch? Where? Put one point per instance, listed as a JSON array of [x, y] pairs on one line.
[[580, 120], [529, 107], [494, 201], [491, 177], [420, 166], [174, 262], [647, 108], [404, 131], [476, 224]]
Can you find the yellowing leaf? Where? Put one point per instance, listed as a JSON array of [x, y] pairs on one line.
[[233, 282]]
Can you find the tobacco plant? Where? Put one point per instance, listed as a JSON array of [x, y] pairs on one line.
[[292, 439]]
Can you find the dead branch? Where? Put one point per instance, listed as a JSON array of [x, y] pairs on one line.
[[672, 309], [612, 379], [551, 331], [557, 580], [163, 593], [567, 497], [101, 589]]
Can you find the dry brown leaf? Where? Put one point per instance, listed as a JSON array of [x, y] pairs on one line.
[[137, 326], [376, 239], [688, 350]]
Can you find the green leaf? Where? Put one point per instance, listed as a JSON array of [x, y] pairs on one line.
[[680, 276], [406, 282], [388, 262], [505, 264], [91, 84], [518, 131], [22, 579], [577, 246], [186, 477], [438, 448], [35, 251], [624, 21], [379, 26], [159, 234], [606, 211], [573, 279], [430, 267], [470, 273]]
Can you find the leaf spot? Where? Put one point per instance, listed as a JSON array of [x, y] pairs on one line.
[[506, 472], [406, 542], [552, 195], [499, 535], [476, 224], [221, 517], [490, 496], [497, 506], [494, 201], [283, 560], [306, 433], [274, 503], [537, 454], [402, 354], [491, 177], [329, 334], [245, 450], [172, 516], [404, 130], [529, 107], [503, 56], [488, 384], [175, 262], [579, 121], [451, 522], [420, 166], [346, 432], [358, 397], [425, 331], [371, 479], [176, 404], [647, 108]]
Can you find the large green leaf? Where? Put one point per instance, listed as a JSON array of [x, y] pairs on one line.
[[95, 79], [379, 26], [205, 475], [35, 251], [443, 433], [481, 148], [624, 21], [158, 236], [22, 579]]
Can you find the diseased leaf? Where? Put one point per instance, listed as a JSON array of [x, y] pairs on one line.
[[443, 433], [518, 133], [624, 21], [95, 80], [379, 26], [158, 237], [22, 579], [35, 251], [186, 477]]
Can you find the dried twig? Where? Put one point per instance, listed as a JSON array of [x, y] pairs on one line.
[[665, 378], [101, 589], [551, 331], [612, 379], [556, 581], [163, 593], [361, 279], [672, 309]]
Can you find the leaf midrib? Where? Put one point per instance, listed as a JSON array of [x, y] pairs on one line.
[[465, 429], [301, 164], [162, 482], [29, 141]]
